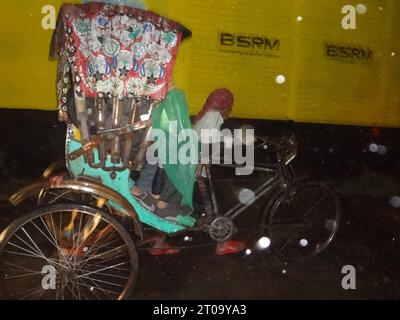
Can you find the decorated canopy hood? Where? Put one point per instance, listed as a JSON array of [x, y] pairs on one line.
[[115, 51]]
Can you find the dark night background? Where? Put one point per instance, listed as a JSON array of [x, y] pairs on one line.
[[368, 236]]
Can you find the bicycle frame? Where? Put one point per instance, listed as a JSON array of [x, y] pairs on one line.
[[280, 181]]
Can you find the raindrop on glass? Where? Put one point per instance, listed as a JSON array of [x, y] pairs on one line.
[[330, 224], [281, 79], [373, 147], [263, 243], [246, 196], [361, 8], [395, 202], [303, 243], [381, 150]]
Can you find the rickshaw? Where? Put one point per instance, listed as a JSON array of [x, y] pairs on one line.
[[81, 239]]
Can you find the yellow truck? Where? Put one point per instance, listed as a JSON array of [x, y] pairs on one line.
[[331, 61]]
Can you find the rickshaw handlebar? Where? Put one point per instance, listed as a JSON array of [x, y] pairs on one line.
[[286, 147]]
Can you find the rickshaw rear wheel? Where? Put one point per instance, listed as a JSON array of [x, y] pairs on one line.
[[54, 196], [302, 221], [67, 251]]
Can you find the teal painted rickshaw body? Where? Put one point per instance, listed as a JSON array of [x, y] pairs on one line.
[[122, 184]]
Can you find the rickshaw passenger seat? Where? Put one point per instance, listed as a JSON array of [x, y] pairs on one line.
[[114, 63]]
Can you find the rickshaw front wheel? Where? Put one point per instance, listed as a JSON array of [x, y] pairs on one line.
[[302, 221], [67, 251]]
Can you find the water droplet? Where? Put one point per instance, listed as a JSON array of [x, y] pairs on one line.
[[303, 243], [284, 271], [263, 243], [373, 147], [330, 224], [382, 150], [280, 79], [393, 54], [299, 19], [246, 196], [395, 202], [361, 8]]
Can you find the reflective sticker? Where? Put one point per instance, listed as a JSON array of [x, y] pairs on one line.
[[111, 47], [103, 21], [169, 38], [159, 53], [124, 63], [97, 65], [139, 50], [82, 26], [151, 68]]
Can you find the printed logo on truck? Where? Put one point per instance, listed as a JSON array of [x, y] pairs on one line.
[[249, 45], [348, 53]]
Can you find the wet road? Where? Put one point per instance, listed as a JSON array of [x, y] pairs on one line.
[[368, 237]]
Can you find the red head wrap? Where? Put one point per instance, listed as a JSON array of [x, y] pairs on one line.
[[219, 100]]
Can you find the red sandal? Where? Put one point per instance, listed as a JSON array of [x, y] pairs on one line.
[[162, 249], [229, 247]]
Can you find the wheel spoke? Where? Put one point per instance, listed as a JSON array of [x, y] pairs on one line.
[[103, 281], [102, 269], [98, 256], [301, 213], [106, 292], [56, 235], [314, 206], [60, 254]]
